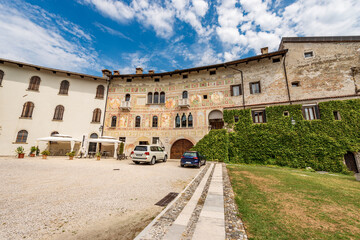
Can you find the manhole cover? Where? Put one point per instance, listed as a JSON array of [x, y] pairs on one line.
[[167, 199], [116, 168]]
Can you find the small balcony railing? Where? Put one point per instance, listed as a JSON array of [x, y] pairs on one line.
[[125, 105], [184, 103]]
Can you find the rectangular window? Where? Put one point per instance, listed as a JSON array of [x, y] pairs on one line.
[[213, 72], [311, 112], [157, 80], [205, 96], [337, 115], [122, 139], [185, 76], [236, 90], [259, 116], [309, 54], [236, 118], [275, 60], [129, 80], [255, 87], [155, 140], [142, 143], [295, 84]]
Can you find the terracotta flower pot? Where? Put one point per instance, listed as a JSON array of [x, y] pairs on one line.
[[71, 157], [32, 155], [98, 158], [21, 155], [44, 156]]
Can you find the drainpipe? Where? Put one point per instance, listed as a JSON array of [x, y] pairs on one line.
[[242, 83], [286, 79], [107, 93]]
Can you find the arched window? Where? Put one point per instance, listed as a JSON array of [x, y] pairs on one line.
[[137, 121], [150, 97], [96, 115], [190, 120], [1, 76], [22, 136], [34, 83], [185, 95], [53, 133], [162, 97], [93, 135], [113, 121], [127, 97], [64, 87], [155, 121], [100, 91], [156, 97], [59, 112], [177, 121], [27, 110], [183, 120]]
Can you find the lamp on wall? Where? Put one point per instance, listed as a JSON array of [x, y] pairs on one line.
[[293, 122], [100, 128]]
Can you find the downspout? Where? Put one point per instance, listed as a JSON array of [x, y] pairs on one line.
[[107, 93], [242, 83], [286, 79]]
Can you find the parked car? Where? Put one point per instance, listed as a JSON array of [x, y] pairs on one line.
[[148, 153], [192, 158]]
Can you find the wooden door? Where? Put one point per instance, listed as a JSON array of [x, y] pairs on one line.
[[179, 147], [351, 162]]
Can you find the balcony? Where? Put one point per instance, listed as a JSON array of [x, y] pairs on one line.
[[125, 105], [184, 103]]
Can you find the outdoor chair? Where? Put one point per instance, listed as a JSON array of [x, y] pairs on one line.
[[121, 156]]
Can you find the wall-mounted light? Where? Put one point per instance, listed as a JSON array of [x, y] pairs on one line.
[[100, 128], [293, 122]]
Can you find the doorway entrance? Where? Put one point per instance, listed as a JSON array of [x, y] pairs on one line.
[[92, 145], [216, 119], [179, 147], [350, 162]]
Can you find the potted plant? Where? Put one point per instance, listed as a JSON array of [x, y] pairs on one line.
[[20, 152], [37, 151], [98, 156], [71, 155], [45, 153], [32, 151]]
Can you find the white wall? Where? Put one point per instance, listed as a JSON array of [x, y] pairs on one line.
[[79, 105]]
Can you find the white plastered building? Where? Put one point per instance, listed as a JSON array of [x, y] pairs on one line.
[[37, 101]]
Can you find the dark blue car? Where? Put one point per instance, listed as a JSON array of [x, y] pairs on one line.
[[192, 158]]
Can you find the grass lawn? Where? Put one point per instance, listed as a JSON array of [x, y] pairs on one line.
[[282, 203]]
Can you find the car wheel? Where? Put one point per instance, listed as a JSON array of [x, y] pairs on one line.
[[204, 162], [181, 165], [165, 159], [198, 165], [136, 162], [152, 162]]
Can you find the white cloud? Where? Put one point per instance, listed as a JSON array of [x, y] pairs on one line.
[[31, 37], [111, 31]]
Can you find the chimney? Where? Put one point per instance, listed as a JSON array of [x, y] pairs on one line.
[[116, 73], [106, 73], [139, 70], [151, 71], [264, 50]]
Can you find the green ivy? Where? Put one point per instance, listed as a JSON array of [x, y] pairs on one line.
[[319, 144]]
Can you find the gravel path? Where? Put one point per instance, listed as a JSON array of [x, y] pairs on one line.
[[47, 199]]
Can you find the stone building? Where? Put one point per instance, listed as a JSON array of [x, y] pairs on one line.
[[176, 109], [180, 107]]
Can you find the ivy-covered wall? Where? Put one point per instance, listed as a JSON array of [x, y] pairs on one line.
[[320, 144]]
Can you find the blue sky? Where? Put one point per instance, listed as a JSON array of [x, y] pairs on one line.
[[89, 35]]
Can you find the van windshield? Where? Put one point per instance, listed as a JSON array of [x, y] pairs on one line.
[[190, 154], [140, 148]]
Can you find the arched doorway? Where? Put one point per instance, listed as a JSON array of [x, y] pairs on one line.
[[92, 145], [216, 119], [179, 147], [350, 162]]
